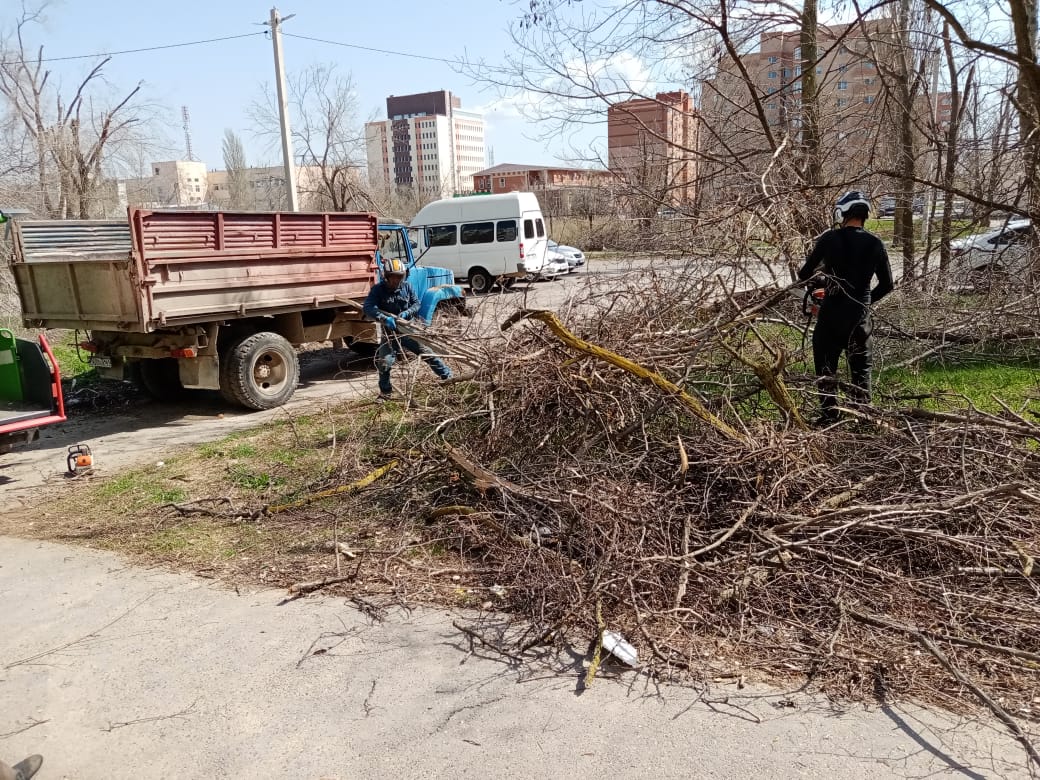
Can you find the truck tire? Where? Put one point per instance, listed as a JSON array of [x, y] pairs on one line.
[[160, 378], [259, 371], [480, 281]]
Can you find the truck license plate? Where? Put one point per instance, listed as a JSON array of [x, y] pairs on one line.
[[100, 361]]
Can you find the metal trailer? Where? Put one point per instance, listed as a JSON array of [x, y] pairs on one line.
[[30, 389], [201, 299]]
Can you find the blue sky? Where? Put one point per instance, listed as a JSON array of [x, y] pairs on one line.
[[218, 81]]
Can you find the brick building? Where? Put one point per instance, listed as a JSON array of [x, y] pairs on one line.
[[855, 120], [652, 144]]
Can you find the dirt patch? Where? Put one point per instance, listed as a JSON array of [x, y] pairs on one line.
[[222, 510]]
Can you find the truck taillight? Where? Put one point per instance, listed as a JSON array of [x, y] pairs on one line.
[[188, 352], [521, 251]]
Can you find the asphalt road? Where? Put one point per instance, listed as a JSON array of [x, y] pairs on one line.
[[112, 671]]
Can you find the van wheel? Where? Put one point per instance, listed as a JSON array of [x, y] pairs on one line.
[[260, 371], [480, 281]]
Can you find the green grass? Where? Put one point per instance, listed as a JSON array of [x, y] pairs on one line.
[[142, 487], [71, 360], [1015, 381]]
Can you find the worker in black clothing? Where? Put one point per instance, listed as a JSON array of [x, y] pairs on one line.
[[848, 257]]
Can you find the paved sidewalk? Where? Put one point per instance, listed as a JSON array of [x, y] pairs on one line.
[[138, 673]]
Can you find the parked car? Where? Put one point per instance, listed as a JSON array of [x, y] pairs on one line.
[[982, 257], [570, 254], [554, 266]]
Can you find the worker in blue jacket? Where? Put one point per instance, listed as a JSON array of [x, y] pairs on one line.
[[389, 301], [849, 258]]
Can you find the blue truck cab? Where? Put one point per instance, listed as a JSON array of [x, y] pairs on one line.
[[431, 284]]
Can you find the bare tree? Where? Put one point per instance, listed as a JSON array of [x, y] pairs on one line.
[[237, 171], [64, 138], [327, 137]]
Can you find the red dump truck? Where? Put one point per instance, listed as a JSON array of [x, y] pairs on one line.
[[209, 300]]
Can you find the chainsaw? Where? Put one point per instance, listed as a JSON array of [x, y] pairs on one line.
[[80, 461]]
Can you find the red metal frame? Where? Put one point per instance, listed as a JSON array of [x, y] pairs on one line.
[[56, 395]]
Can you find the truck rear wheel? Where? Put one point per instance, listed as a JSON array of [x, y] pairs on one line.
[[160, 378], [259, 371], [480, 281]]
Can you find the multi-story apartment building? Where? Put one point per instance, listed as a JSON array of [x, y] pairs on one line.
[[751, 107], [652, 145], [427, 142]]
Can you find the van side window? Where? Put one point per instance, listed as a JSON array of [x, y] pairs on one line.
[[478, 233], [540, 227], [528, 228], [443, 235], [506, 230]]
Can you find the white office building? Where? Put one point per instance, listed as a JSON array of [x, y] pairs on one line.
[[428, 142]]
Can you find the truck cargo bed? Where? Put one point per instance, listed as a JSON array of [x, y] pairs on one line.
[[169, 268]]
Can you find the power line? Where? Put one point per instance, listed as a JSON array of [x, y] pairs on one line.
[[137, 51], [369, 48]]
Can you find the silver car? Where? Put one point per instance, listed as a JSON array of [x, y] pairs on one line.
[[1002, 252], [571, 255]]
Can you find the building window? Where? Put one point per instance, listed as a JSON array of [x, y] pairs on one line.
[[798, 70], [771, 90], [772, 60], [197, 187], [787, 73], [501, 181], [443, 235], [157, 171], [843, 85], [842, 68], [797, 86], [797, 52], [506, 230], [842, 102], [868, 82], [819, 70], [772, 74], [868, 99]]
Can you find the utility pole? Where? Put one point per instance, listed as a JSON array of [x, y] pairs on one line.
[[283, 109]]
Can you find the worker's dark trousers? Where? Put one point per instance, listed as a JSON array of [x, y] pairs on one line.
[[842, 330], [387, 354]]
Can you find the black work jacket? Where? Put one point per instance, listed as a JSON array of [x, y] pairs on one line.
[[850, 257]]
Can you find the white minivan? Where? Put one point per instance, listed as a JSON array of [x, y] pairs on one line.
[[483, 238]]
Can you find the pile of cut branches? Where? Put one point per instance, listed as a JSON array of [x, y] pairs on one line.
[[646, 468]]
